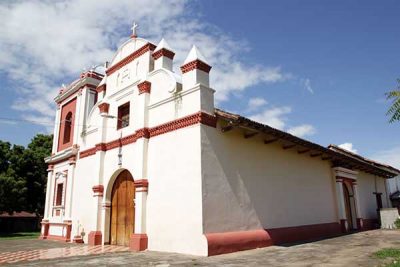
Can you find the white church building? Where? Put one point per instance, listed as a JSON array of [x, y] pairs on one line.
[[142, 158]]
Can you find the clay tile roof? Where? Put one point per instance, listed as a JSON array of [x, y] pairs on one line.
[[338, 156]]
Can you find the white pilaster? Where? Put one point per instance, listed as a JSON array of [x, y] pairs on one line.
[[140, 211], [48, 192], [57, 123], [70, 188], [340, 198], [357, 200], [78, 123]]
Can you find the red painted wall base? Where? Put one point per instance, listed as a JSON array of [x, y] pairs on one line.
[[220, 243], [303, 232], [138, 242], [94, 238], [77, 239], [369, 224], [343, 225]]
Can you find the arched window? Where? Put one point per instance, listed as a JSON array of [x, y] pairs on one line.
[[67, 128]]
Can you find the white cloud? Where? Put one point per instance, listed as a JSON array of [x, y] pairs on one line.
[[307, 85], [389, 156], [348, 147], [277, 117], [44, 43], [256, 103], [274, 117], [302, 130]]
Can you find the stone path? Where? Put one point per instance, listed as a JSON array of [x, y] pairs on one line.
[[350, 250], [55, 253]]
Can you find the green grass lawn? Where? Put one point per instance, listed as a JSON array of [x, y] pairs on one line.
[[20, 235], [392, 253]]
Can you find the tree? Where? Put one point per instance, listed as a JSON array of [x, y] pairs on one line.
[[23, 175], [394, 110], [36, 176]]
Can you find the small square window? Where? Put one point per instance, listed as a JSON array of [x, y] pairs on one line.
[[123, 116]]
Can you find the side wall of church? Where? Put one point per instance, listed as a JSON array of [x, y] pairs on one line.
[[251, 185]]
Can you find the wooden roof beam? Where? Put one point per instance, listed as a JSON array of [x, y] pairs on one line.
[[271, 140], [317, 154], [303, 151], [250, 135], [288, 146], [226, 128], [326, 157]]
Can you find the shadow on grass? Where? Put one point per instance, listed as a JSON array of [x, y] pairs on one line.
[[20, 235]]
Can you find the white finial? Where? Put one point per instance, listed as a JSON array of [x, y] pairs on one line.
[[193, 55], [163, 44], [134, 26]]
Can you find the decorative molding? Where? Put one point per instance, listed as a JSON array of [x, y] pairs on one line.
[[62, 156], [163, 53], [146, 48], [199, 117], [106, 205], [98, 190], [141, 185], [92, 74], [91, 86], [65, 94], [344, 173], [195, 64], [144, 87], [104, 107], [50, 167], [72, 160], [87, 152], [101, 88]]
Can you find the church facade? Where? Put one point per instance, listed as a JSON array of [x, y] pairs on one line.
[[142, 158]]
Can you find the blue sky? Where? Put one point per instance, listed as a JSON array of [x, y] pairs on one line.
[[318, 69]]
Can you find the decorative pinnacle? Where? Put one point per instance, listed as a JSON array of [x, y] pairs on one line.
[[134, 26]]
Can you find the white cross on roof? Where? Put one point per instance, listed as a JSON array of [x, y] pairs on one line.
[[134, 26]]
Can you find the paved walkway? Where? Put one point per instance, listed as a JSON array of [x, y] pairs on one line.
[[48, 250], [350, 250]]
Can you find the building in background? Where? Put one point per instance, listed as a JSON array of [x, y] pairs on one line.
[[142, 158]]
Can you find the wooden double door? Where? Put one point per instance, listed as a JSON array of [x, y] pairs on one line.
[[122, 209]]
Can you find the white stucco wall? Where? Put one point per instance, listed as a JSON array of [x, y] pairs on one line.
[[249, 185], [174, 203], [367, 185]]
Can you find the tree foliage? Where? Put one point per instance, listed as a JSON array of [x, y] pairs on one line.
[[394, 110], [23, 175]]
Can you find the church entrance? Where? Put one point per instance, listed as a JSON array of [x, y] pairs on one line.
[[122, 209]]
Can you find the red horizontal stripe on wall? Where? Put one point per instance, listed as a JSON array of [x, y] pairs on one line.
[[199, 117]]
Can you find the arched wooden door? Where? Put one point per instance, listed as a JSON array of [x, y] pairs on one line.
[[122, 209]]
